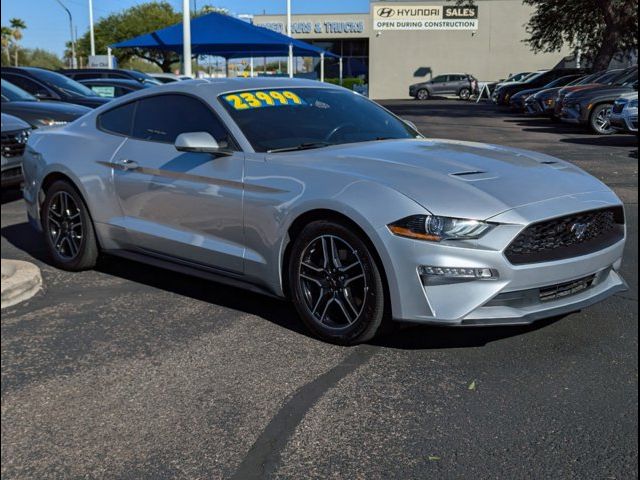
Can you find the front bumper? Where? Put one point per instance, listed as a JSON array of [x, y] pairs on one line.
[[421, 299], [11, 171], [624, 122], [574, 114]]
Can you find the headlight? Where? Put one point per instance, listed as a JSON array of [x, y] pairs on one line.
[[435, 229], [48, 122]]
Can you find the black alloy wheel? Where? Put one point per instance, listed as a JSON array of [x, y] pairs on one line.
[[68, 229], [336, 285]]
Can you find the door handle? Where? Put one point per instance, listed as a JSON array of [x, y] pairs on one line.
[[125, 164]]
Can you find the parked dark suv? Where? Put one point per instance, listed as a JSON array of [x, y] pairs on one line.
[[461, 84], [47, 85], [91, 73], [503, 94]]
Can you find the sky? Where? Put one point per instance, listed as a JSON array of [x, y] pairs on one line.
[[48, 24]]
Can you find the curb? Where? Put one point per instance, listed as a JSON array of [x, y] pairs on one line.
[[20, 281]]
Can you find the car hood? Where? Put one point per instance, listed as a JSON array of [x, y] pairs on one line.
[[453, 178], [525, 93], [577, 88], [57, 109], [548, 93], [609, 91]]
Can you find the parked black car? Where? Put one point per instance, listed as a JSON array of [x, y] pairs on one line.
[[517, 101], [113, 87], [543, 102], [461, 84], [89, 73], [48, 85], [592, 107], [503, 94], [25, 106]]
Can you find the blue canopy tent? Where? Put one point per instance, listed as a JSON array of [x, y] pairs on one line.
[[228, 37]]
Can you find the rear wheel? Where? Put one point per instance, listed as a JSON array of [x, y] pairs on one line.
[[335, 283], [422, 94], [464, 94], [599, 120], [68, 228]]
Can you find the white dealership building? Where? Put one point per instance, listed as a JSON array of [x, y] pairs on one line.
[[398, 43]]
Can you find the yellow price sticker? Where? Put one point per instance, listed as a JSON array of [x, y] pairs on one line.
[[263, 99]]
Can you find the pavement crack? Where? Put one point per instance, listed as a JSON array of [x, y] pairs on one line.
[[263, 457]]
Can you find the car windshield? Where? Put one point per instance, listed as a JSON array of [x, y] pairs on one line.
[[64, 84], [11, 93], [627, 78], [300, 118], [558, 82], [533, 76]]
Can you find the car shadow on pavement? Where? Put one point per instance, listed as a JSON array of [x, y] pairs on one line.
[[605, 141], [279, 312], [11, 195], [425, 337]]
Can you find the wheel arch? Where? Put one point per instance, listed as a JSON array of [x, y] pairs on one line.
[[304, 219]]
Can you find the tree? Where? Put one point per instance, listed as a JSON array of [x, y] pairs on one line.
[[6, 38], [134, 21], [600, 28], [17, 25]]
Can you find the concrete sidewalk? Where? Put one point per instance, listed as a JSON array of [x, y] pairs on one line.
[[20, 281]]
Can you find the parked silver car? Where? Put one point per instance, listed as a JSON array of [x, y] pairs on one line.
[[15, 133], [309, 191]]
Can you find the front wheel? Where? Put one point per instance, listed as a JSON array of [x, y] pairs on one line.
[[423, 94], [464, 94], [68, 229], [336, 285], [599, 120]]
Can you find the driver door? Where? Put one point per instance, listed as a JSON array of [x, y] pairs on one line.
[[182, 206]]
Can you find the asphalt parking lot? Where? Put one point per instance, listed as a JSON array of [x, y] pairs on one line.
[[133, 372]]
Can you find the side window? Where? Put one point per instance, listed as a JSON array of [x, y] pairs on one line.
[[162, 118], [28, 85], [118, 120], [440, 79]]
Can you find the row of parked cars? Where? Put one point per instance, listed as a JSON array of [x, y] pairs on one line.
[[605, 102], [37, 98]]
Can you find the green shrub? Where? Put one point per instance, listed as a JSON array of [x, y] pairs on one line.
[[348, 82]]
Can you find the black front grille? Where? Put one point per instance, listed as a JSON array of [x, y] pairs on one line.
[[567, 237], [13, 143]]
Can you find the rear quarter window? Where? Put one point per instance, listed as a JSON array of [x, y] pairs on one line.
[[118, 120]]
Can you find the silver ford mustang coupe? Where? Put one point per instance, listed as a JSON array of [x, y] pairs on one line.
[[311, 192]]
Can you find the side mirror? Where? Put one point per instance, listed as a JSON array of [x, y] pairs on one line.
[[199, 142]]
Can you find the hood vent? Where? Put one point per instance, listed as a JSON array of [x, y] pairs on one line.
[[473, 175]]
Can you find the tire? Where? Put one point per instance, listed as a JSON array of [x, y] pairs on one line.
[[423, 94], [464, 94], [598, 122], [68, 228], [341, 301]]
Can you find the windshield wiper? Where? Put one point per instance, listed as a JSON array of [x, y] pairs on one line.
[[302, 146]]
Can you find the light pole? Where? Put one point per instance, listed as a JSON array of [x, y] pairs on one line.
[[186, 38], [290, 36], [74, 62], [91, 36]]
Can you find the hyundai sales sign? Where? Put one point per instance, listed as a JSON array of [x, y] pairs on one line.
[[424, 17]]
